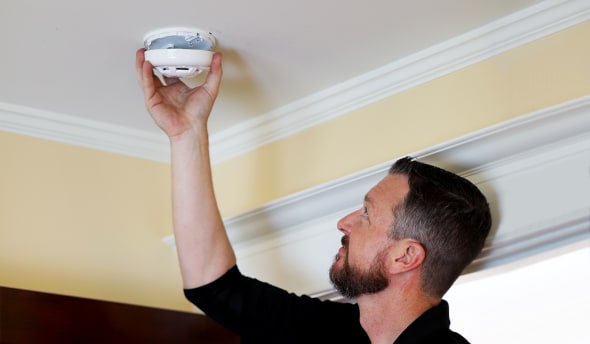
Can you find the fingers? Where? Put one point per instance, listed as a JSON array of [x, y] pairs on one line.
[[144, 79], [139, 60], [214, 76], [140, 65], [144, 74]]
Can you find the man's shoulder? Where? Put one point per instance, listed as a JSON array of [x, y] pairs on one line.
[[433, 326]]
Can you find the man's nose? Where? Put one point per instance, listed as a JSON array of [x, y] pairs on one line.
[[345, 224]]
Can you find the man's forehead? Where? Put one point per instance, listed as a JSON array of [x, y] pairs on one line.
[[392, 187]]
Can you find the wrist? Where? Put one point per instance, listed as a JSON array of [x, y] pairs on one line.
[[195, 137]]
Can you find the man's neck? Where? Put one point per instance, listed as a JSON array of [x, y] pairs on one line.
[[385, 315]]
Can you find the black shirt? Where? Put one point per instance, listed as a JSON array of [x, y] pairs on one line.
[[262, 313]]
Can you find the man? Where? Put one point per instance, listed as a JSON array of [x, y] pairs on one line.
[[418, 228]]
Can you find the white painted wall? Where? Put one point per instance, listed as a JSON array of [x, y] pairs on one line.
[[542, 299]]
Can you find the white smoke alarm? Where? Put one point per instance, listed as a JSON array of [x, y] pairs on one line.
[[179, 52]]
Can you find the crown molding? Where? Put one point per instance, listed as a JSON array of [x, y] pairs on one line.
[[507, 33], [81, 132], [499, 36], [502, 149]]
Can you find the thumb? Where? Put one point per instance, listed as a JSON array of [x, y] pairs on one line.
[[214, 76]]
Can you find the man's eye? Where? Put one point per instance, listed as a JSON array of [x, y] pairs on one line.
[[365, 212]]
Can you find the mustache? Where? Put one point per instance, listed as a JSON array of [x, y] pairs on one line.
[[344, 241]]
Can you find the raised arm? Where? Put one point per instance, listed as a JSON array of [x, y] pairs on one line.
[[203, 248]]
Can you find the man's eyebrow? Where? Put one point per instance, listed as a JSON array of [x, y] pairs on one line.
[[368, 199]]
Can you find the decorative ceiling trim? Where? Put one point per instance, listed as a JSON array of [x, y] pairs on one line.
[[81, 132], [499, 147], [559, 232], [447, 57], [499, 36]]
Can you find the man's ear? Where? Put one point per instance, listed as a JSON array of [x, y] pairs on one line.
[[408, 255]]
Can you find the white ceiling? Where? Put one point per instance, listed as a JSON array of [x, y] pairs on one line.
[[76, 58]]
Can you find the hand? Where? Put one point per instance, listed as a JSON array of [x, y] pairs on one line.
[[177, 108]]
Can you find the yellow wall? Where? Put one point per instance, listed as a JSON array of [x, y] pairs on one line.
[[86, 223], [82, 222]]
